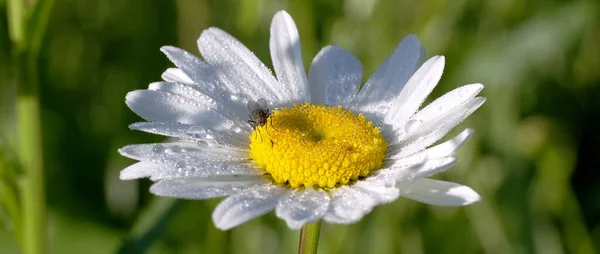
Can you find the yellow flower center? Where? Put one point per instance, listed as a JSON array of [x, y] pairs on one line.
[[316, 145]]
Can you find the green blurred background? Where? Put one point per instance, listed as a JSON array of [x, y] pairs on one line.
[[533, 157]]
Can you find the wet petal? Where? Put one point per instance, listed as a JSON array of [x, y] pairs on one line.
[[334, 77], [176, 75], [432, 131], [205, 187], [389, 79], [238, 68], [232, 139], [441, 193], [246, 205], [194, 68], [300, 207], [286, 57], [181, 152], [414, 92], [348, 205]]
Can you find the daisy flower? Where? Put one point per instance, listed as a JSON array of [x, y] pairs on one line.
[[318, 147]]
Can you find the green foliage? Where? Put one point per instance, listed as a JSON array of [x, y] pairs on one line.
[[533, 157]]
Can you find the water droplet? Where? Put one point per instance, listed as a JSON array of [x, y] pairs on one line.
[[158, 148], [381, 109], [234, 98], [195, 129], [412, 125], [349, 88], [236, 129], [180, 165], [176, 149]]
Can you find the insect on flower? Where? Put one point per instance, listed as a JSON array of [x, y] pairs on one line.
[[259, 113]]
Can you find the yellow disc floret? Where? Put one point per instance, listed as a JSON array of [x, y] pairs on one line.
[[316, 145]]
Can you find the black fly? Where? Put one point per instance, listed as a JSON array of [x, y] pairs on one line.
[[259, 113]]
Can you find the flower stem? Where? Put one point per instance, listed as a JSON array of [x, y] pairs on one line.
[[309, 238], [32, 185]]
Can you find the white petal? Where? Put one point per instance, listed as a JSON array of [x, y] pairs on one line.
[[181, 152], [286, 56], [138, 170], [348, 205], [449, 147], [376, 96], [300, 207], [182, 168], [176, 75], [441, 193], [169, 107], [429, 168], [442, 105], [205, 187], [334, 77], [194, 68], [204, 95], [400, 169], [432, 131], [378, 189], [224, 100], [246, 205], [238, 68], [226, 138], [414, 93], [204, 169]]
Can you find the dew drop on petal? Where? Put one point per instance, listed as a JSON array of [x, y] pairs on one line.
[[195, 129], [412, 125], [236, 129], [158, 148], [176, 149], [349, 87], [381, 109]]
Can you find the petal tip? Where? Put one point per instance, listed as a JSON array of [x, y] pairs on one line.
[[282, 13], [130, 96], [413, 38], [441, 58], [473, 198], [166, 48], [128, 175], [467, 195], [122, 151], [220, 223]]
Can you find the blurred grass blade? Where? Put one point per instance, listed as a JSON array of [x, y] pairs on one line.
[[9, 201], [37, 24], [16, 11], [151, 225]]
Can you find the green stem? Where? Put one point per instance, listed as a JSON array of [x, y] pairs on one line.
[[32, 184], [309, 238]]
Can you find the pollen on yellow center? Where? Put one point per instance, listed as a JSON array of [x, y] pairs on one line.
[[316, 145]]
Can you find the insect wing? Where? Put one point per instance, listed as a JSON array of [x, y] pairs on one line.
[[253, 106], [262, 103]]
